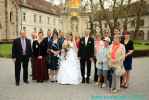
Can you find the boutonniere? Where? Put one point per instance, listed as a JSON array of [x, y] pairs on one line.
[[89, 42], [36, 46]]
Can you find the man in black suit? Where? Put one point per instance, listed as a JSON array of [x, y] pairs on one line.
[[21, 52], [47, 41], [86, 54]]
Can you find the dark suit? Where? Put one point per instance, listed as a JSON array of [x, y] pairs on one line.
[[46, 43], [17, 53], [86, 51]]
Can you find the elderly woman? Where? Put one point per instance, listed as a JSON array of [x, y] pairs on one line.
[[40, 69], [116, 56]]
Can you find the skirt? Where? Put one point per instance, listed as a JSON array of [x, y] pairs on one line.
[[40, 70], [128, 63], [53, 62]]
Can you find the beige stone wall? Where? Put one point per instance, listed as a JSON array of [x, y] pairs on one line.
[[2, 19], [10, 33], [30, 25], [12, 22], [81, 24]]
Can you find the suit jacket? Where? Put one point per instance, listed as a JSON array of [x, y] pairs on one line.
[[17, 50], [61, 41], [38, 49], [86, 50], [45, 45]]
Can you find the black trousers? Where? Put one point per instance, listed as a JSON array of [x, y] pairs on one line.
[[23, 60], [95, 73], [83, 62]]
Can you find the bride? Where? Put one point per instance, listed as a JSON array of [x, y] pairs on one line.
[[69, 71]]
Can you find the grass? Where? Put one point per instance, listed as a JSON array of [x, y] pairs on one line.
[[141, 47], [5, 50]]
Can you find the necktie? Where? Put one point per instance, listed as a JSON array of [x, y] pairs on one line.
[[24, 46]]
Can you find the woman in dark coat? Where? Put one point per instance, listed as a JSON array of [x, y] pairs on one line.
[[53, 60], [128, 59], [41, 71]]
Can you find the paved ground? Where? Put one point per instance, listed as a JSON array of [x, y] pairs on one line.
[[48, 91]]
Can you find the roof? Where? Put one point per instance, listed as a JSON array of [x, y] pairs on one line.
[[40, 5]]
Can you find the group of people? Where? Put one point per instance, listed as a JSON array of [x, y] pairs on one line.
[[67, 58]]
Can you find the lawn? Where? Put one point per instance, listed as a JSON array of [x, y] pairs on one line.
[[5, 50], [141, 47]]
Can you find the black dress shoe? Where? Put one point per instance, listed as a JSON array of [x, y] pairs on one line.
[[83, 80], [27, 82], [87, 80], [17, 84]]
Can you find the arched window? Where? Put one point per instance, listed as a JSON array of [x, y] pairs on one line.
[[74, 24]]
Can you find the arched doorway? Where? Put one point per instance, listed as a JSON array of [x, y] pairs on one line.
[[74, 24]]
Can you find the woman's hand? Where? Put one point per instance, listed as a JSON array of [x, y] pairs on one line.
[[39, 57]]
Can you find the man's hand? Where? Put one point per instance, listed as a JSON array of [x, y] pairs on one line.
[[91, 59], [14, 59]]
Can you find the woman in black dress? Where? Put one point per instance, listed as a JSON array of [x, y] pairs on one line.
[[128, 59], [53, 60], [40, 68]]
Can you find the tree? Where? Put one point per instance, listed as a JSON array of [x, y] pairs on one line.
[[139, 11], [125, 23]]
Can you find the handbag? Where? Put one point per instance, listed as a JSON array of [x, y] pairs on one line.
[[120, 71]]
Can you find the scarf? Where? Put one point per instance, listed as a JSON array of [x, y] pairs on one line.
[[114, 50]]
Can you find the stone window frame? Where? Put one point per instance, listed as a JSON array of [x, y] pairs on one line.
[[35, 18], [24, 16], [40, 19]]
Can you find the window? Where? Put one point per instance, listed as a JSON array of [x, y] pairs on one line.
[[24, 16], [133, 23], [54, 20], [40, 19], [11, 17], [48, 20], [35, 29], [41, 30], [49, 30], [106, 25], [24, 29], [34, 18], [142, 22]]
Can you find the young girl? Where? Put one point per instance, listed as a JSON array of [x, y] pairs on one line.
[[102, 63]]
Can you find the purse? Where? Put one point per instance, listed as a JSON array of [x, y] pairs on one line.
[[120, 71]]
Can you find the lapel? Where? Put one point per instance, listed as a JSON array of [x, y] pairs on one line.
[[20, 44], [83, 40], [88, 40]]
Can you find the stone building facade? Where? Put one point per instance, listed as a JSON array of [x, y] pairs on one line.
[[29, 16], [8, 19], [38, 15]]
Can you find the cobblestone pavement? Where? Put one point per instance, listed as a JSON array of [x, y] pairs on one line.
[[139, 85]]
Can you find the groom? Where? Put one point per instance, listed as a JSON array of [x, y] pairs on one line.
[[86, 53]]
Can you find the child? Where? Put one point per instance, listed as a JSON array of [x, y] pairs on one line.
[[102, 64]]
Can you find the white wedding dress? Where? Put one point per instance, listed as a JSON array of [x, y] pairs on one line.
[[69, 71]]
